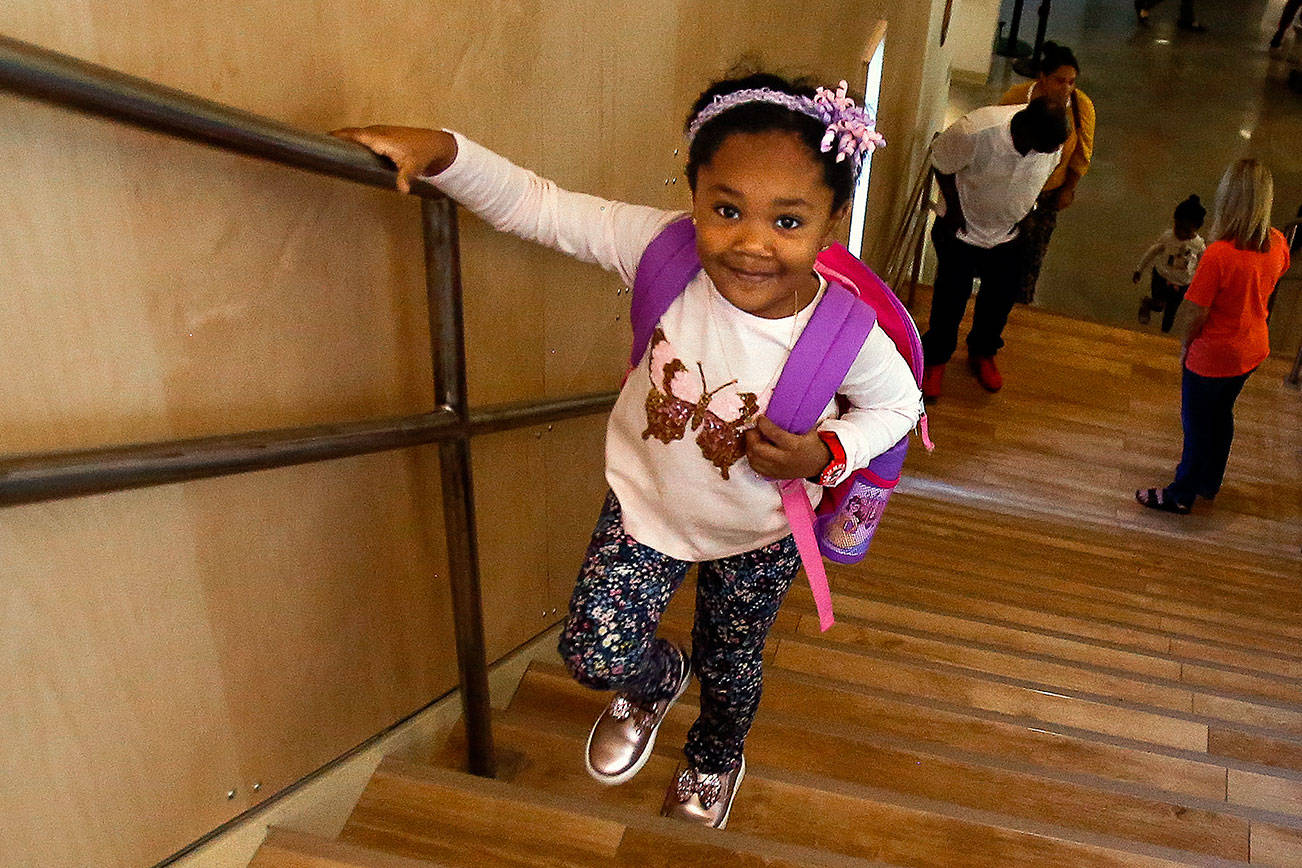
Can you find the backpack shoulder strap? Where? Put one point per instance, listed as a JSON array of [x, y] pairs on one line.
[[820, 359], [838, 264], [667, 265]]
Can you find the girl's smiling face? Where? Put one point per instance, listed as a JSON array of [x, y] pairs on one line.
[[763, 212]]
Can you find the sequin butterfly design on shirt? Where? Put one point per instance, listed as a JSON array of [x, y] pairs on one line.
[[670, 408]]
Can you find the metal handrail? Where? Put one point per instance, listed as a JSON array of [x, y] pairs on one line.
[[56, 78], [49, 476], [908, 237]]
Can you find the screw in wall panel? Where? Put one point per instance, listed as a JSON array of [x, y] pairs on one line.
[[230, 794]]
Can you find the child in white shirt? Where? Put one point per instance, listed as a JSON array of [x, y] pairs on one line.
[[1173, 257]]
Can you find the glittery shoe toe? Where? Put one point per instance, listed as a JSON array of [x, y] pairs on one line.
[[703, 799]]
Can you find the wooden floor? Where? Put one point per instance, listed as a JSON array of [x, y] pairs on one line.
[[1027, 670], [1091, 412]]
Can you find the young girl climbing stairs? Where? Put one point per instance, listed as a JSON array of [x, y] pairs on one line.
[[691, 458]]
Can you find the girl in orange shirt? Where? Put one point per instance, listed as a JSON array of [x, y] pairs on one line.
[[1227, 338]]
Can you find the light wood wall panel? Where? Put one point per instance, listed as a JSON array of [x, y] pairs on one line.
[[155, 289], [164, 646]]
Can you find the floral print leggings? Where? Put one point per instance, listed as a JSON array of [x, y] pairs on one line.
[[609, 641]]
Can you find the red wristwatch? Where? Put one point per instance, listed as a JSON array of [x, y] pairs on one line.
[[836, 466]]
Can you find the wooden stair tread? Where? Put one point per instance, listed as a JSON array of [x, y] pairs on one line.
[[958, 603], [1038, 567], [975, 624], [841, 749], [284, 848], [1010, 588], [415, 809], [809, 809], [1165, 772], [1139, 599], [1144, 550], [1003, 688], [1210, 700], [1081, 708], [1123, 718], [1096, 579], [927, 632]]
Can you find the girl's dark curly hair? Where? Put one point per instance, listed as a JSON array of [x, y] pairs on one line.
[[762, 117], [1191, 211]]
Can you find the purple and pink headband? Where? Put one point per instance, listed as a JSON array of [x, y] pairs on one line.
[[851, 127]]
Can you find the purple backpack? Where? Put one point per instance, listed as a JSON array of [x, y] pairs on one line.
[[855, 300]]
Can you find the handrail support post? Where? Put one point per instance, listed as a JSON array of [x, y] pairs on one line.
[[447, 335]]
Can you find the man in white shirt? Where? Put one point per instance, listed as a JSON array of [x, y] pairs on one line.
[[990, 165]]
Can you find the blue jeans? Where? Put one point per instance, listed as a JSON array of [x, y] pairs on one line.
[[609, 640], [1207, 416]]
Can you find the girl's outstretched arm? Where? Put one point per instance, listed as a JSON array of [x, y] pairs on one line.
[[414, 151], [516, 200]]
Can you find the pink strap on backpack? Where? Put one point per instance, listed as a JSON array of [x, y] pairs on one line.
[[800, 515]]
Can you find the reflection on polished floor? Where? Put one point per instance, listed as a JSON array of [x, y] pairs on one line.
[[1173, 109]]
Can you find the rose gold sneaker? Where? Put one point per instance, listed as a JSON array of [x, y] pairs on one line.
[[622, 738], [703, 799]]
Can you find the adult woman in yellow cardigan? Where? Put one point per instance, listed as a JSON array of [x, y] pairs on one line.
[[1057, 81]]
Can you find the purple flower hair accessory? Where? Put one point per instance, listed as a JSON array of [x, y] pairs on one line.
[[851, 129]]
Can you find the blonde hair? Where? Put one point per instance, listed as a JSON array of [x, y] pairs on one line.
[[1243, 202]]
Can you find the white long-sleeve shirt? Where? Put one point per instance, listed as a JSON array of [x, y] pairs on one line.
[[673, 448], [997, 185], [1174, 259]]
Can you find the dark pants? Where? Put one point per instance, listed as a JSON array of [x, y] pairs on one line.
[[1207, 415], [609, 640], [1165, 296], [1036, 230], [956, 264]]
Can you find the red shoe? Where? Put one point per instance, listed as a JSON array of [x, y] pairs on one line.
[[986, 372], [931, 378]]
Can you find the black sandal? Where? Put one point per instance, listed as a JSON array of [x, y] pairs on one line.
[[1155, 498]]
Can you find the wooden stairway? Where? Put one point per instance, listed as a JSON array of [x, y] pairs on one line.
[[1028, 669]]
